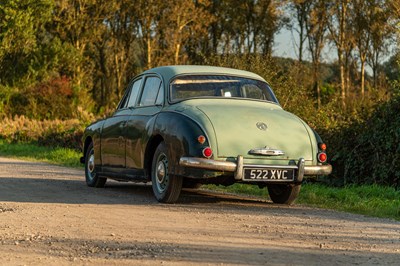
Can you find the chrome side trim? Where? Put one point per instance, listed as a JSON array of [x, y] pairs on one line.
[[267, 151], [325, 169]]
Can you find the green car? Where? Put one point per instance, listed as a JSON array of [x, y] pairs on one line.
[[183, 126]]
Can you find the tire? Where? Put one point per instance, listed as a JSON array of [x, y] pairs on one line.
[[92, 178], [166, 188], [283, 194]]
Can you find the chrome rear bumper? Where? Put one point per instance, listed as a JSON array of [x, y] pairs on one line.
[[237, 167]]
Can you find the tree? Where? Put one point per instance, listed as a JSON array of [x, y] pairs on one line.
[[246, 26], [382, 30], [268, 22], [341, 37], [189, 22], [362, 14], [23, 40], [148, 17], [316, 23], [301, 10], [77, 24], [121, 19]]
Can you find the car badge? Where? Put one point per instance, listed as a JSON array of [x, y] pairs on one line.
[[261, 126]]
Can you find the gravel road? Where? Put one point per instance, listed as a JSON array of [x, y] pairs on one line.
[[48, 216]]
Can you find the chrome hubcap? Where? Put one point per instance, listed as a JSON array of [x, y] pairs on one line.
[[161, 173], [91, 163], [91, 169]]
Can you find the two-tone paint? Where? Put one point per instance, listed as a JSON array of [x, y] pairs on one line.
[[125, 142]]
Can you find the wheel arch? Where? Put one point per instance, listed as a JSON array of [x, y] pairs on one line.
[[86, 144], [150, 149]]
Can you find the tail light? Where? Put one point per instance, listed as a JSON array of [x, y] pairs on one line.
[[207, 152], [322, 146], [322, 157]]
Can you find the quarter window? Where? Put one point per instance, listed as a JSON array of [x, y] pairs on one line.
[[150, 92], [134, 92], [122, 104]]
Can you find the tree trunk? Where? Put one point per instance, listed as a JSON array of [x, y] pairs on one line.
[[149, 50], [177, 49], [301, 34], [342, 81], [362, 77], [316, 84]]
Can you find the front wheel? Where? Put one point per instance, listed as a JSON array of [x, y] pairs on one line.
[[91, 175], [283, 194], [166, 188]]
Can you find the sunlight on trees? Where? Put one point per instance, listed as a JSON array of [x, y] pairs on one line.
[[100, 45]]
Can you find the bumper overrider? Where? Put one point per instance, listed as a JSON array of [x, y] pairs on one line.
[[237, 167]]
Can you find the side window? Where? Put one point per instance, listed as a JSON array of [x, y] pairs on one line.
[[150, 91], [134, 92]]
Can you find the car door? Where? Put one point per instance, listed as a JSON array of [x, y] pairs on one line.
[[140, 123], [113, 140]]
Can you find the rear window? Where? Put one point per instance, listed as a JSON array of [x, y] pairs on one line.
[[206, 86]]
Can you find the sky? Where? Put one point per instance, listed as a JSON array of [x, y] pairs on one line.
[[286, 46]]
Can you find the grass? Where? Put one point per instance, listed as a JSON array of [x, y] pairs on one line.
[[369, 200], [33, 152]]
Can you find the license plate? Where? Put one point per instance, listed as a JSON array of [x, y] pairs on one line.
[[268, 174]]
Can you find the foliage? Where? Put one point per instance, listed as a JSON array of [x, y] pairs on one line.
[[369, 156], [23, 39], [52, 133], [53, 99], [99, 45]]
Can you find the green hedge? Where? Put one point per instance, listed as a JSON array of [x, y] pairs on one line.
[[368, 151]]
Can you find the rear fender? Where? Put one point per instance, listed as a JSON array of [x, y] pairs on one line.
[[180, 133]]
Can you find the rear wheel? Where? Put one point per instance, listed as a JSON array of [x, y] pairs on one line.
[[283, 194], [91, 175], [166, 188]]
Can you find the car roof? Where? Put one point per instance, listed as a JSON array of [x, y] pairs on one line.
[[169, 72]]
